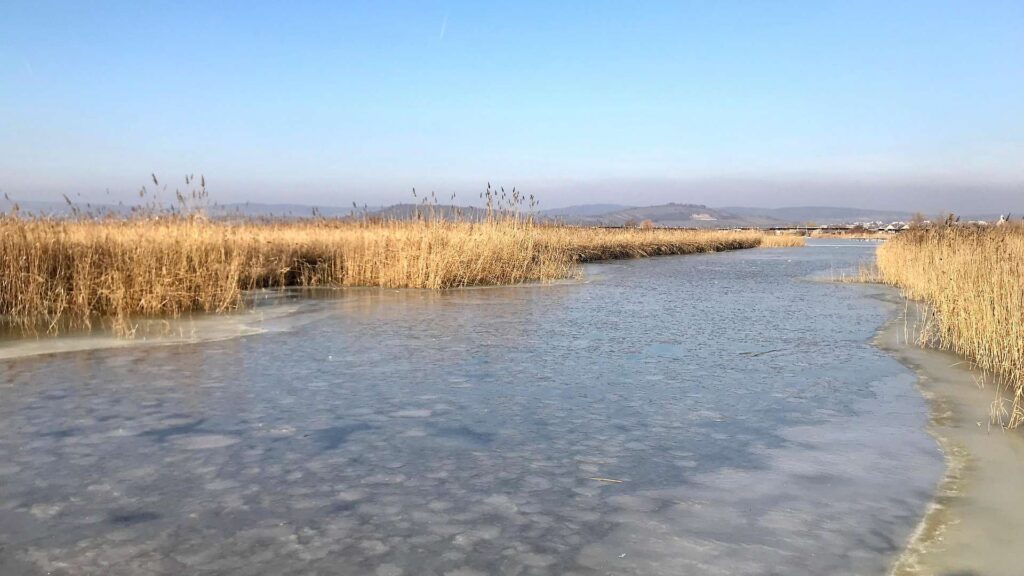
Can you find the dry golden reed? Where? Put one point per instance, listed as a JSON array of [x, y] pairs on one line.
[[973, 281], [57, 274], [782, 241]]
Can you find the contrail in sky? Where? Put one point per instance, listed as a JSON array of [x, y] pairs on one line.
[[444, 26]]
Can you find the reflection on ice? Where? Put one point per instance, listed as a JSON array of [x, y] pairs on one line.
[[273, 316]]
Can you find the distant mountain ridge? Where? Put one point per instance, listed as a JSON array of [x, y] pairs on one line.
[[820, 214], [666, 215], [583, 210], [443, 211], [699, 215], [670, 215]]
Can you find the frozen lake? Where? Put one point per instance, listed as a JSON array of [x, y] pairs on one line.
[[708, 414]]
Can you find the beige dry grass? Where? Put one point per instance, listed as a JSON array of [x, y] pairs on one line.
[[782, 241], [59, 274], [973, 281]]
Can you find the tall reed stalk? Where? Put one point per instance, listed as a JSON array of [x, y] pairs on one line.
[[973, 281]]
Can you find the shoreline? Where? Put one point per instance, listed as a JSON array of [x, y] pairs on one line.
[[970, 526], [196, 327], [189, 329]]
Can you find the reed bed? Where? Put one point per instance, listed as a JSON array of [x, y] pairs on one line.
[[782, 241], [59, 274], [973, 281]]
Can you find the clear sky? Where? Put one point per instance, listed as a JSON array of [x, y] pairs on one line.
[[915, 105]]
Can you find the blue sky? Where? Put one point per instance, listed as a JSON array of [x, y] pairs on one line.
[[916, 105]]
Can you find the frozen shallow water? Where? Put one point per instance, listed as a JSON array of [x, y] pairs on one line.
[[709, 414]]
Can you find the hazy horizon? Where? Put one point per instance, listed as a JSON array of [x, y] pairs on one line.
[[912, 107], [927, 198]]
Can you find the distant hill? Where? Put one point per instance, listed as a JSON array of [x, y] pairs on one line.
[[818, 214], [584, 210], [442, 211], [246, 209], [668, 215], [256, 209], [673, 215], [43, 208], [679, 215], [702, 216]]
